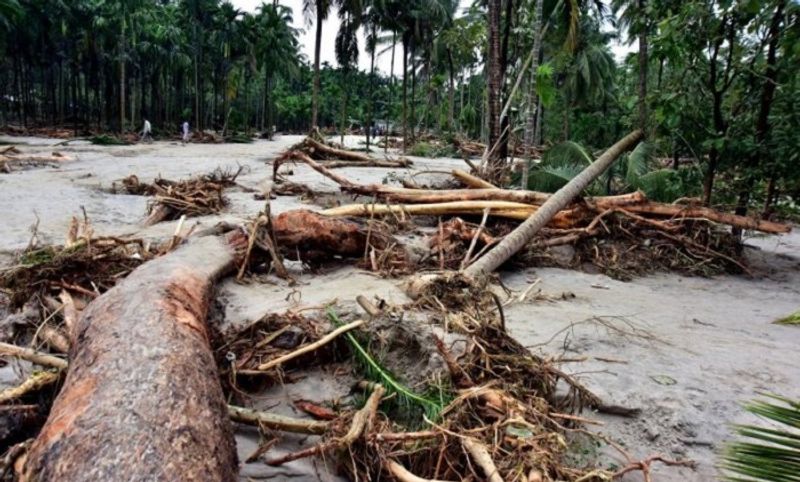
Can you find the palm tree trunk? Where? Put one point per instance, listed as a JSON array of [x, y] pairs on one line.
[[532, 97], [343, 124], [317, 47], [371, 106], [413, 120], [391, 94], [196, 96], [451, 108], [765, 106], [122, 77], [515, 240], [267, 103], [493, 88], [642, 68], [405, 95]]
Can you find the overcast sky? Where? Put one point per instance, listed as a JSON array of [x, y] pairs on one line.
[[331, 26]]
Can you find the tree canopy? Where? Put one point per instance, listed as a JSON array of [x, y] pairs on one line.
[[712, 82]]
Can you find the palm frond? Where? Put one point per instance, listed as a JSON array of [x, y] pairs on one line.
[[793, 319], [768, 454], [638, 163], [566, 153], [552, 178], [374, 371], [662, 185]]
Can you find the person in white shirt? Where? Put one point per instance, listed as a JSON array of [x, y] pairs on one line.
[[147, 132], [185, 130]]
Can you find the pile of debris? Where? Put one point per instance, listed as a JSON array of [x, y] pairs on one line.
[[621, 235], [492, 410], [198, 196], [51, 132], [12, 159], [332, 155]]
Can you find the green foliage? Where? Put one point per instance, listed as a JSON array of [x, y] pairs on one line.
[[545, 85], [793, 319], [559, 164], [767, 453], [432, 150], [405, 397]]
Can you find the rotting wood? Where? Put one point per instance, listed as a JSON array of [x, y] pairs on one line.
[[146, 405], [311, 234]]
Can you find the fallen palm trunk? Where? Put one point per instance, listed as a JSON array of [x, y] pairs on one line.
[[480, 191], [472, 181], [54, 157], [512, 243], [142, 400], [8, 163], [504, 209], [370, 163], [308, 234], [678, 211]]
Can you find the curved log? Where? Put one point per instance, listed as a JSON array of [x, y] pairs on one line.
[[142, 399]]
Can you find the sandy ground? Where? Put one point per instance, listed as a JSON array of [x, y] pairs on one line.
[[687, 351]]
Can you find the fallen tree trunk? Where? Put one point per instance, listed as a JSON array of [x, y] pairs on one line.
[[550, 209], [142, 399], [336, 153], [677, 211], [334, 164], [309, 232], [565, 219], [472, 181], [484, 193]]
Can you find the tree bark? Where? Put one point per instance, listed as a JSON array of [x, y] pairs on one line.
[[122, 76], [515, 240], [371, 107], [405, 95], [533, 96], [642, 67], [767, 97], [494, 86], [317, 47], [142, 399]]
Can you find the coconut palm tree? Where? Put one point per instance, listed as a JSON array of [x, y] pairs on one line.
[[318, 9], [277, 50], [346, 48], [633, 17], [493, 89]]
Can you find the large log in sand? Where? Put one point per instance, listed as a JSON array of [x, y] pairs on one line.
[[142, 399]]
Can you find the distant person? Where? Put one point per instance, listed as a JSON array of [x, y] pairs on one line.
[[185, 131], [147, 132]]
